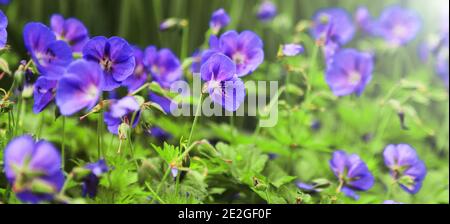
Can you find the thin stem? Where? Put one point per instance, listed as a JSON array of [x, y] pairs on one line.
[[177, 185], [162, 181], [64, 188], [155, 195], [197, 115], [130, 141], [19, 110], [63, 151], [232, 125], [41, 124], [185, 41], [140, 89], [339, 188], [99, 135]]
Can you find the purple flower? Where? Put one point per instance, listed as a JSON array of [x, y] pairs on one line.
[[115, 56], [71, 31], [267, 11], [219, 19], [33, 169], [352, 172], [4, 2], [50, 56], [163, 65], [292, 49], [398, 26], [442, 65], [139, 76], [160, 134], [333, 24], [122, 111], [364, 20], [90, 183], [306, 187], [349, 72], [405, 167], [224, 86], [245, 49], [3, 33], [162, 101], [44, 93], [79, 88]]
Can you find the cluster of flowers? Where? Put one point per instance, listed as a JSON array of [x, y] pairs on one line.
[[75, 70], [405, 167], [350, 71]]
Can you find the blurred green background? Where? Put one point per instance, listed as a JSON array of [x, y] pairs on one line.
[[138, 20]]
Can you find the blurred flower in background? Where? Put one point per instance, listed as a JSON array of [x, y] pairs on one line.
[[397, 25], [91, 182], [139, 76], [267, 11], [3, 33], [219, 20], [244, 49], [291, 50], [33, 169], [349, 72], [71, 31]]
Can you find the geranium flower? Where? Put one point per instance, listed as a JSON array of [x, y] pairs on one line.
[[71, 31], [122, 111], [352, 173], [349, 72], [44, 93], [244, 49], [333, 24], [291, 50], [398, 26], [80, 87], [219, 19], [33, 169], [115, 56], [3, 33], [139, 76], [223, 84], [405, 167], [50, 56], [267, 11], [90, 183]]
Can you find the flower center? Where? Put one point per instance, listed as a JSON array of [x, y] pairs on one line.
[[239, 58], [106, 64], [92, 92], [400, 31], [354, 77], [139, 70]]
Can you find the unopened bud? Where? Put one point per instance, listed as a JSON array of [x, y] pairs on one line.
[[41, 187], [124, 130]]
